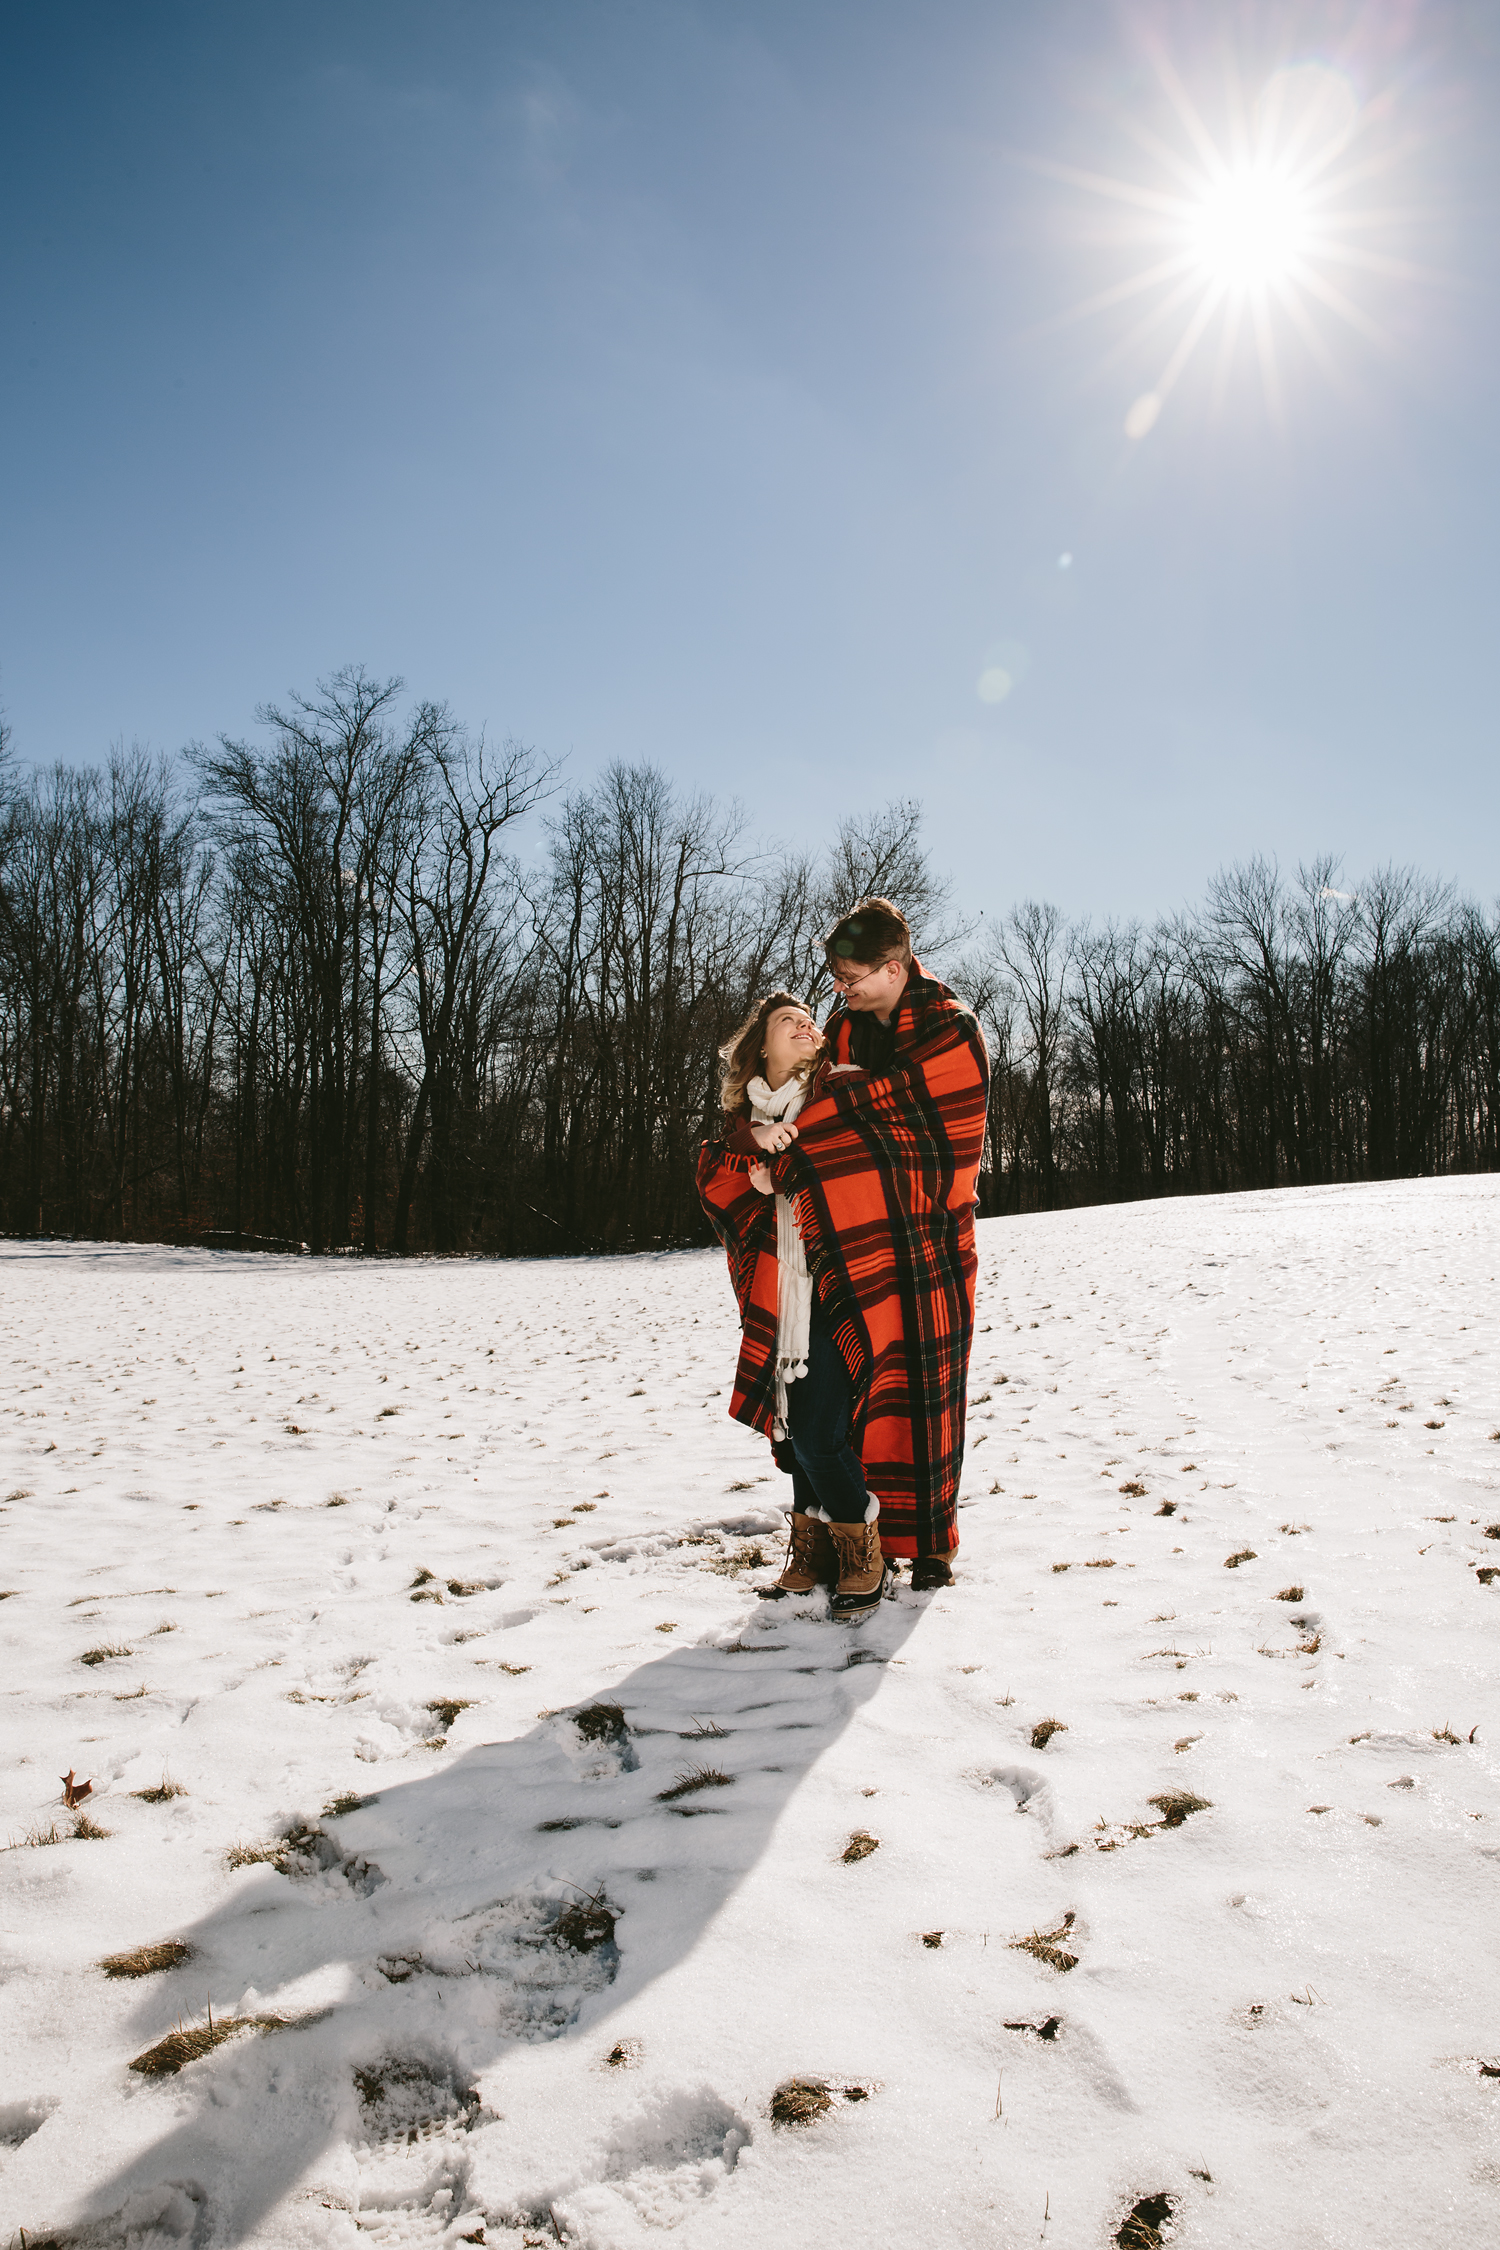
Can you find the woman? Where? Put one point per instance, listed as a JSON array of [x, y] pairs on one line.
[[774, 1064]]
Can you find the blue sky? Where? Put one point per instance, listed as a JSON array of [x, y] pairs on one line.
[[692, 383]]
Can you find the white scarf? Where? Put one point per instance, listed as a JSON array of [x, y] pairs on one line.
[[794, 1289]]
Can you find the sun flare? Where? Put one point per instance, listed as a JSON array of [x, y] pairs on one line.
[[1250, 233], [1250, 229]]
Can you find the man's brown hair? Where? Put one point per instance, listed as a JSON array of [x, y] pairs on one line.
[[872, 934]]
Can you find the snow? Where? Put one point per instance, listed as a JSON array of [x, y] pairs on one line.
[[1279, 2016]]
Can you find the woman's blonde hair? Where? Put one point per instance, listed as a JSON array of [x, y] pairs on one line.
[[744, 1057]]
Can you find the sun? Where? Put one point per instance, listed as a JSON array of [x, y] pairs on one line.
[[1251, 229], [1259, 231]]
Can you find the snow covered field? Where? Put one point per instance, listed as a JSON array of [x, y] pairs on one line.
[[287, 1534]]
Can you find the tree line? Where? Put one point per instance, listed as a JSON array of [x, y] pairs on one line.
[[370, 982]]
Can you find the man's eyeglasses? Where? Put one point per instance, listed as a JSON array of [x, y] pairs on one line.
[[852, 984]]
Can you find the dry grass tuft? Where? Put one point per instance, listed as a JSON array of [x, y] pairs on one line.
[[859, 1846], [1291, 1594], [1142, 2229], [1175, 1805], [749, 1557], [515, 1670], [601, 1722], [797, 2101], [348, 1801], [1101, 1562], [1186, 1741], [587, 1923], [705, 1730], [1445, 1733], [1487, 1576], [1044, 1730], [163, 1793], [696, 1777], [445, 1708], [1062, 1566], [148, 1960], [1043, 1945], [103, 1655], [1167, 1508], [1134, 1489], [1492, 1531], [625, 2054], [1242, 1554], [932, 1939], [88, 1831], [255, 1855], [37, 1838], [181, 2047]]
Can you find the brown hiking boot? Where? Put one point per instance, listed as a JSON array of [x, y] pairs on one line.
[[810, 1561], [862, 1570]]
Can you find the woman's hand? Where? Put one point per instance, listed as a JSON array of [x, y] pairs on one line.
[[761, 1181], [773, 1138]]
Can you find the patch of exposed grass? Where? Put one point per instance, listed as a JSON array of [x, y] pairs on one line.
[[1062, 1566], [255, 1855], [515, 1670], [1186, 1741], [696, 1777], [1241, 1555], [181, 2047], [1101, 1562], [1044, 1945], [587, 1923], [600, 1722], [1175, 1805], [1141, 2229], [163, 1793], [349, 1801], [704, 1730], [1167, 1508], [859, 1846], [88, 1831], [1134, 1489], [797, 2101], [103, 1655], [625, 2054], [1291, 1594], [148, 1960], [1044, 1730], [445, 1708], [932, 1939], [749, 1557]]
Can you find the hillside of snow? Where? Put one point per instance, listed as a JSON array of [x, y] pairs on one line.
[[403, 1619]]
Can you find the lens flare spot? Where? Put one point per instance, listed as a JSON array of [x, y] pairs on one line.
[[995, 684], [1141, 419]]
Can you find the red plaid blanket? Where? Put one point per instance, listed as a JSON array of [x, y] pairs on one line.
[[882, 1176]]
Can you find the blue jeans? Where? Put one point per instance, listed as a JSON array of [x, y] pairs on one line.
[[827, 1479]]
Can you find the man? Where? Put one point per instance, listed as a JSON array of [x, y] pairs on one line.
[[882, 1167]]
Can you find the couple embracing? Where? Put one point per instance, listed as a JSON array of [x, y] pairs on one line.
[[842, 1182]]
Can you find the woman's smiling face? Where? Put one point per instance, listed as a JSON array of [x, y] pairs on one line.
[[792, 1038]]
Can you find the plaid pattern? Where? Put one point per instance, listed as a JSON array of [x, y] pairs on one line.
[[882, 1177]]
